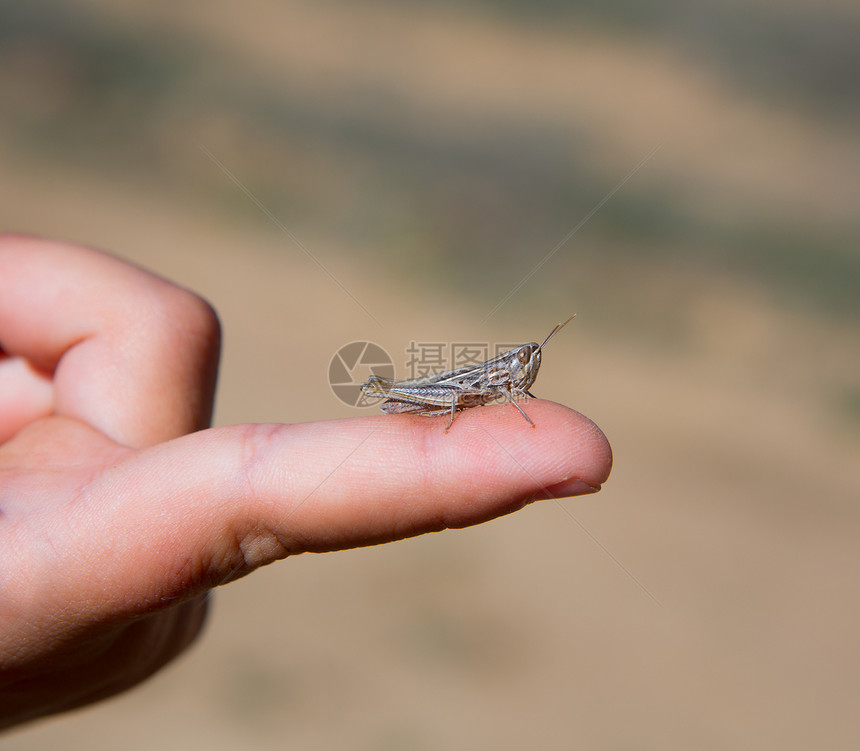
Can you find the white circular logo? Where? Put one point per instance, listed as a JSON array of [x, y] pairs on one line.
[[353, 364]]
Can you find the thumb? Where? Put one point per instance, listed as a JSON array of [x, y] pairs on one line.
[[210, 507]]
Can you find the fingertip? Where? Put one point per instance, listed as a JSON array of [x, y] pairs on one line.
[[501, 453]]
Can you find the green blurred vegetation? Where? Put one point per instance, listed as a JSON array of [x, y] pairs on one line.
[[470, 206], [807, 54]]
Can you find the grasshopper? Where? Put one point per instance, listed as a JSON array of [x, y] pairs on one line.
[[509, 375]]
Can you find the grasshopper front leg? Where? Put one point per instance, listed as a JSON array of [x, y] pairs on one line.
[[510, 397]]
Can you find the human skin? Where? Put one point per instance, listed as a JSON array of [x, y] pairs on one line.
[[120, 509]]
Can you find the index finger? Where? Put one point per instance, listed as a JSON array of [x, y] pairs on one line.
[[131, 354]]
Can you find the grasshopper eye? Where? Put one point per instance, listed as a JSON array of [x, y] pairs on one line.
[[524, 354]]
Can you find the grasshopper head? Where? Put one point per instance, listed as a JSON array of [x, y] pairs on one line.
[[525, 363]]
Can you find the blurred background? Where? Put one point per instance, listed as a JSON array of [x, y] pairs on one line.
[[332, 171]]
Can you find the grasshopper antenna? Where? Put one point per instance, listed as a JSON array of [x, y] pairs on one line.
[[558, 328]]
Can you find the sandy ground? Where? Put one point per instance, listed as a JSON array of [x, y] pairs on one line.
[[706, 598]]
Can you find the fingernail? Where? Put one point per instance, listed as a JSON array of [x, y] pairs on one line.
[[568, 488]]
